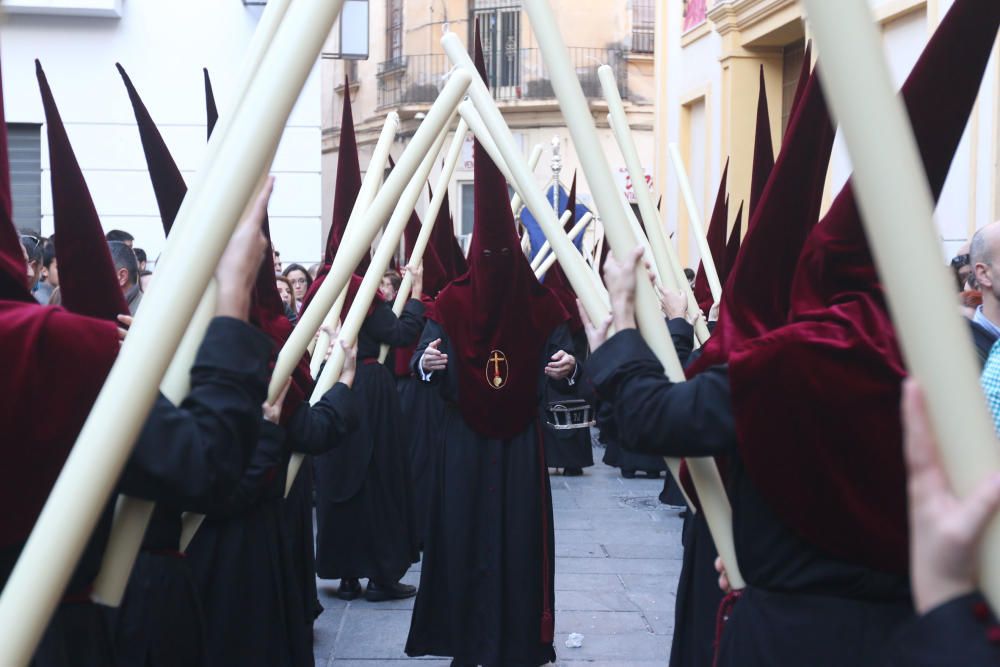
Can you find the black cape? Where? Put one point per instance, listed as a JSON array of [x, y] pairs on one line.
[[569, 448], [364, 494], [488, 565]]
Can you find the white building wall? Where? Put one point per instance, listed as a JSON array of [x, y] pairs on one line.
[[163, 46]]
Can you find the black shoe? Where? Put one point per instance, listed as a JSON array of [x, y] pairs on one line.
[[395, 591], [350, 589], [652, 474], [628, 474], [572, 472]]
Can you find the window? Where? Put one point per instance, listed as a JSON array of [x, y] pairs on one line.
[[695, 13], [25, 143], [350, 32], [468, 197], [393, 30], [643, 26], [500, 28]]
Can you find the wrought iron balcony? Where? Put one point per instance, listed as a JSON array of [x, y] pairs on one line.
[[517, 75]]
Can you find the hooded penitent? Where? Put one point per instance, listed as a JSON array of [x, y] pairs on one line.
[[266, 308], [38, 342], [556, 280], [830, 464], [498, 316], [89, 285], [733, 244], [716, 237], [763, 149], [347, 185], [756, 296]]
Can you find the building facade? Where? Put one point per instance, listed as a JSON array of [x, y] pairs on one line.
[[163, 46], [708, 57], [406, 65]]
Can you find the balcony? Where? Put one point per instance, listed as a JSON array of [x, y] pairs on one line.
[[519, 75]]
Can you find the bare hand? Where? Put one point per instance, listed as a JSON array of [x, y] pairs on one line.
[[331, 337], [237, 269], [350, 363], [673, 304], [272, 411], [945, 531], [620, 280], [417, 271], [126, 321], [724, 584], [560, 365], [434, 359], [596, 334], [713, 312]]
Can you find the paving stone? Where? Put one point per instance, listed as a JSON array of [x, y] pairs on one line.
[[600, 622], [594, 601]]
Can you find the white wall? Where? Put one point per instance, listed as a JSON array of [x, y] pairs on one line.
[[163, 46]]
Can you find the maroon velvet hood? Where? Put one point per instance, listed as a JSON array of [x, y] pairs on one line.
[[555, 278], [756, 295], [89, 284], [763, 149], [445, 244], [830, 465], [716, 236]]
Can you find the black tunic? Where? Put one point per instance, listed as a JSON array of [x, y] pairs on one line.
[[243, 559], [182, 456], [568, 448], [962, 632], [423, 413], [488, 565], [364, 495], [801, 607]]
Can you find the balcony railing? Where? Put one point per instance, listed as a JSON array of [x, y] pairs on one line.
[[519, 75]]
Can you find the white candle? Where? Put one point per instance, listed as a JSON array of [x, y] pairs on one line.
[[544, 250], [356, 242], [105, 442], [478, 127], [369, 187], [580, 121], [665, 256], [697, 228], [404, 183], [427, 225], [898, 210], [573, 234]]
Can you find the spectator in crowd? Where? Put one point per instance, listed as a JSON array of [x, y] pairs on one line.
[[277, 260], [121, 237], [962, 266], [144, 279], [391, 281], [140, 257], [299, 279], [127, 270], [287, 293], [313, 270], [984, 256], [50, 273], [690, 275], [33, 249]]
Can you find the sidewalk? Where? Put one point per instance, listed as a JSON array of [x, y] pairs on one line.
[[618, 555]]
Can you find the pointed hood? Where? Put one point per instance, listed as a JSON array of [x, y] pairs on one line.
[[555, 278], [348, 183], [800, 87], [838, 355], [763, 148], [13, 270], [498, 316], [436, 276], [716, 236], [757, 292], [445, 244], [168, 183], [345, 194], [89, 285], [211, 110], [733, 245]]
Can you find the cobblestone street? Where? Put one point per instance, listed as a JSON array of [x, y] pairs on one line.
[[618, 555]]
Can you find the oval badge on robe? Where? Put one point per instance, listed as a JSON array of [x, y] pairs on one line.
[[496, 369]]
